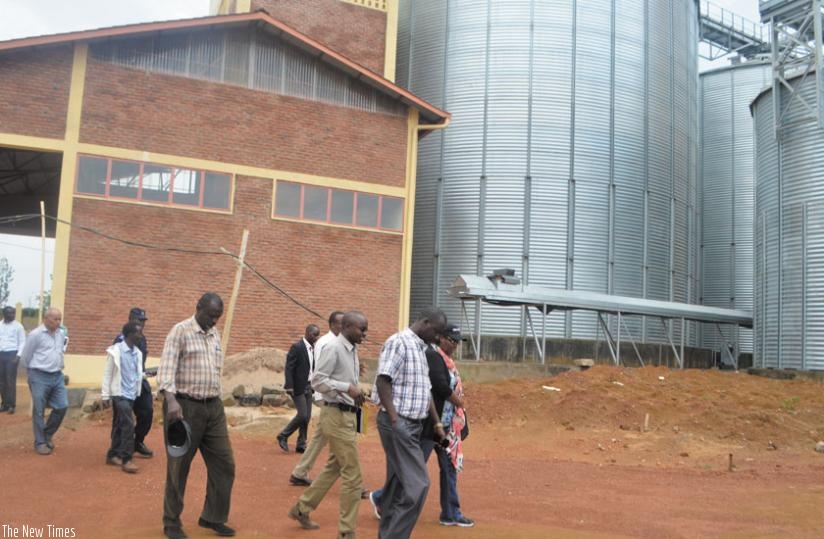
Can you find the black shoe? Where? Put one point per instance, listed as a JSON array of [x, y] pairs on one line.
[[174, 532], [143, 451], [219, 528], [10, 410], [299, 481], [282, 443], [4, 408], [300, 449]]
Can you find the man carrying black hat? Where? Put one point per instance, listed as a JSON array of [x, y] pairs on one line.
[[144, 404]]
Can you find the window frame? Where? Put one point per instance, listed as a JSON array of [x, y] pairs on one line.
[[328, 218], [169, 200]]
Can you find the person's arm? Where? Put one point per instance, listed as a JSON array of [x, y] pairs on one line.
[[323, 382], [166, 375], [21, 339], [433, 415], [384, 385], [28, 348], [289, 369], [108, 370]]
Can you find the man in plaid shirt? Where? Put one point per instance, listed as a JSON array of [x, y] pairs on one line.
[[403, 391]]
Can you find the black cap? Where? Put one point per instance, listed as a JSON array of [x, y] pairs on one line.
[[453, 333], [138, 313], [178, 438]]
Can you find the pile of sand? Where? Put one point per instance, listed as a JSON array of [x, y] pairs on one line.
[[254, 368]]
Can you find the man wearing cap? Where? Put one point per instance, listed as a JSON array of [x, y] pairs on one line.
[[144, 403], [189, 380], [43, 357], [336, 377], [12, 339]]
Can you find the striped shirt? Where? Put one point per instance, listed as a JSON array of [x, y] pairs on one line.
[[403, 359], [191, 362]]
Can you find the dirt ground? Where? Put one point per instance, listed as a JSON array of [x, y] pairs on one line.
[[539, 463]]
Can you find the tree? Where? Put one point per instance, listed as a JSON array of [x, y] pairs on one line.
[[6, 277]]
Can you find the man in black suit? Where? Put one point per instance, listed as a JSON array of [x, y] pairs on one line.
[[300, 362]]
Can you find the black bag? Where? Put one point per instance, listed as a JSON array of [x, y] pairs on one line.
[[465, 429]]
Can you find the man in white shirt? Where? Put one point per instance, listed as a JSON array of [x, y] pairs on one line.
[[12, 339], [300, 474]]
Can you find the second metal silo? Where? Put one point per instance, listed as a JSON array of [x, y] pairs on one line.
[[727, 183], [571, 157], [789, 233]]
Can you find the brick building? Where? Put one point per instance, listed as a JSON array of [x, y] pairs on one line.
[[161, 142]]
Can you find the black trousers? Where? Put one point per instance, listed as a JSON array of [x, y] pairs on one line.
[[8, 378], [143, 412], [300, 423], [210, 435], [122, 429]]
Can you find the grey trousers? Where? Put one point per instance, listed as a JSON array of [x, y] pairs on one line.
[[407, 479], [300, 423]]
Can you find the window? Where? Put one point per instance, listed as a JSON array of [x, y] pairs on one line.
[[338, 206], [148, 182]]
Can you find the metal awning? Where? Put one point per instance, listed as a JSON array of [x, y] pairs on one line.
[[497, 290]]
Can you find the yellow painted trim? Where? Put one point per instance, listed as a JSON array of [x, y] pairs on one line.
[[86, 370], [335, 225], [153, 204], [67, 175], [243, 6], [242, 170], [409, 218], [25, 142], [391, 43]]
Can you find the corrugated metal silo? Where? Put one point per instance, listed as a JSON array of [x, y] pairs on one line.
[[789, 235], [727, 183], [571, 156]]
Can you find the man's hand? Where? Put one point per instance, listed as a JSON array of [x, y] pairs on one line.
[[173, 410], [106, 404], [290, 391], [356, 394]]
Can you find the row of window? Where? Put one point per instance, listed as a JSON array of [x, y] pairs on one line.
[[159, 184], [162, 184], [337, 206]]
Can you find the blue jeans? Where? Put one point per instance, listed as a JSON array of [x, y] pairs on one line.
[[47, 389], [450, 504]]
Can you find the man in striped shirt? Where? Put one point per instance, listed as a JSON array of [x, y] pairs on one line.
[[403, 390], [189, 380]]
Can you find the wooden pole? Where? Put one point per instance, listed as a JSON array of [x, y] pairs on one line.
[[42, 260], [227, 326]]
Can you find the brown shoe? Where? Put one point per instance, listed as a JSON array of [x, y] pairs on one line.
[[129, 467], [114, 461], [303, 518]]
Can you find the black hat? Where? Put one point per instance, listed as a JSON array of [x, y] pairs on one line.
[[138, 313], [453, 333], [178, 438]]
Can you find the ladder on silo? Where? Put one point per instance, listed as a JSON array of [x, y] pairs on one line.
[[796, 56]]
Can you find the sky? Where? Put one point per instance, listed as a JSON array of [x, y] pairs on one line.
[[25, 18]]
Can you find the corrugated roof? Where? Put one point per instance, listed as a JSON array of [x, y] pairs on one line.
[[429, 113], [477, 287]]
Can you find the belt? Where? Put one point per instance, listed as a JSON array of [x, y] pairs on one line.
[[409, 419], [204, 400], [342, 407]]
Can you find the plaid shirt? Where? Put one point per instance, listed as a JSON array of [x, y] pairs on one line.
[[191, 362], [403, 359]]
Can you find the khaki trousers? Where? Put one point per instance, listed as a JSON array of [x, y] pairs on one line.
[[339, 429]]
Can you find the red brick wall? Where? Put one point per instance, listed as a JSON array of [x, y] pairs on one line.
[[34, 91], [174, 115], [357, 32], [325, 268]]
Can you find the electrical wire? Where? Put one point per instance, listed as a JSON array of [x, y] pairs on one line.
[[268, 282]]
